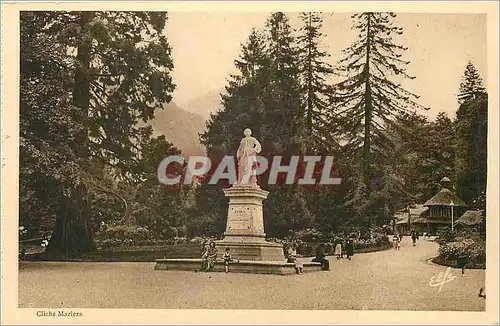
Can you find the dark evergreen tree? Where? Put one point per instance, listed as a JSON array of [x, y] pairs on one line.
[[471, 127], [471, 85], [315, 90], [116, 71], [424, 154], [47, 127], [439, 154], [368, 102], [265, 97], [243, 106], [159, 207], [285, 132], [243, 101]]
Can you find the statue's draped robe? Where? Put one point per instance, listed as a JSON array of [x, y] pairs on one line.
[[247, 160]]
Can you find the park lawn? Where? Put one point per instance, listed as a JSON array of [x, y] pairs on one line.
[[132, 254]]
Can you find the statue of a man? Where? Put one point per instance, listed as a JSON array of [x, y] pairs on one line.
[[247, 160]]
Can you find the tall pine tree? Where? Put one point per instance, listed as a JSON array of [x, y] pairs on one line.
[[471, 136], [368, 101], [243, 106], [285, 134], [471, 85], [471, 127], [315, 91], [264, 96]]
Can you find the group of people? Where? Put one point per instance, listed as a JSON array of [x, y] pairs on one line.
[[396, 241], [209, 255], [344, 248], [398, 238]]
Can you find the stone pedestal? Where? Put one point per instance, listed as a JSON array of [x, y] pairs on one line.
[[245, 226]]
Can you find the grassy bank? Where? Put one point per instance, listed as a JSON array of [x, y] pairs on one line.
[[124, 254], [373, 249]]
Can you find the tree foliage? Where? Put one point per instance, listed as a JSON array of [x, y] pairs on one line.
[[265, 97], [368, 102], [87, 79], [316, 92], [471, 85], [471, 159]]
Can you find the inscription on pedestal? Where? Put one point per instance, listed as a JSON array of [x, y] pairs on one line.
[[238, 219]]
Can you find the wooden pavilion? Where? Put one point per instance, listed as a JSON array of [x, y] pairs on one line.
[[413, 217], [445, 208]]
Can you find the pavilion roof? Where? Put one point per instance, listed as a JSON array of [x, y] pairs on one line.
[[444, 198], [418, 210], [471, 217]]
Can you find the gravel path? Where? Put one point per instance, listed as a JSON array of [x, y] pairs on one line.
[[387, 280]]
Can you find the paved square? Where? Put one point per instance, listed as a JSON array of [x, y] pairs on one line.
[[387, 280]]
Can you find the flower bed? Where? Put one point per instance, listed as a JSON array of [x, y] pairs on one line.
[[127, 237], [453, 247]]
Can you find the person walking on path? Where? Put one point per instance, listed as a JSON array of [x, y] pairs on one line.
[[338, 250], [462, 261], [414, 237], [395, 240], [349, 249], [398, 243]]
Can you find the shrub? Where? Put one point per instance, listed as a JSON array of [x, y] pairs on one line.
[[475, 251], [446, 236], [309, 235], [123, 235]]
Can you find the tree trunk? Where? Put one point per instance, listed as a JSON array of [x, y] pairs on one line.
[[310, 92], [368, 113], [72, 232]]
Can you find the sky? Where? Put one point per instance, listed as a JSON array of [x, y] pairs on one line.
[[205, 45]]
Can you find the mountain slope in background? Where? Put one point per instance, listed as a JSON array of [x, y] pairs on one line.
[[180, 127], [205, 104]]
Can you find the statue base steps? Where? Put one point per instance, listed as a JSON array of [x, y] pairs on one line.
[[242, 266], [251, 248]]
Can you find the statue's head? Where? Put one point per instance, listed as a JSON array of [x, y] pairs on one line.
[[248, 132]]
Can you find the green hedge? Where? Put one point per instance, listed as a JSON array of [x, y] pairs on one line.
[[186, 250], [133, 254], [453, 263]]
